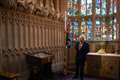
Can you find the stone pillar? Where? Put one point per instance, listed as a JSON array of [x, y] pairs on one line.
[[31, 33], [46, 33], [118, 26], [0, 31], [118, 19], [21, 29], [4, 29], [93, 25], [27, 33], [28, 25], [40, 35], [50, 34], [36, 32], [16, 32], [10, 32], [93, 18]]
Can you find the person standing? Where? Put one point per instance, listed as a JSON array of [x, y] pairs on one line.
[[82, 49]]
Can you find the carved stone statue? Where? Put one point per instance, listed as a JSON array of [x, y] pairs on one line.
[[30, 4], [47, 8], [58, 14], [39, 7], [52, 8]]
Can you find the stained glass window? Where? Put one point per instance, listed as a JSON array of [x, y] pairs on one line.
[[114, 29], [83, 7], [83, 26], [111, 7], [98, 29], [98, 5], [102, 24], [74, 29], [76, 7], [89, 29], [103, 7], [115, 6], [109, 29], [89, 7], [71, 11], [69, 4]]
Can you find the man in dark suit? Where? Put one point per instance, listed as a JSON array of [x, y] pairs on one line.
[[82, 48]]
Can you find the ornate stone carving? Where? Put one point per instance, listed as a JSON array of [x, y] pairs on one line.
[[39, 7], [58, 15], [47, 8], [34, 7], [30, 4], [52, 9], [21, 5]]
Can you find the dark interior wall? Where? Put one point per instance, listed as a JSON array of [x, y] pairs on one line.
[[23, 32]]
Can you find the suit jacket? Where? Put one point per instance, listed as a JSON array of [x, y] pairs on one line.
[[82, 52]]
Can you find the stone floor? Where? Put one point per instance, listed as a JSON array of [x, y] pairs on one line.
[[69, 77], [59, 76]]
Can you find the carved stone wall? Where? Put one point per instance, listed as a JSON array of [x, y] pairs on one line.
[[44, 8], [21, 32]]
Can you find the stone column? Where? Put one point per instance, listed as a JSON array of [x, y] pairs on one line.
[[50, 34], [40, 36], [0, 33], [118, 19], [36, 32], [53, 33], [118, 26], [47, 36], [29, 36], [93, 25], [22, 31], [16, 32], [31, 33], [38, 28], [43, 35], [10, 32], [27, 33], [33, 27]]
